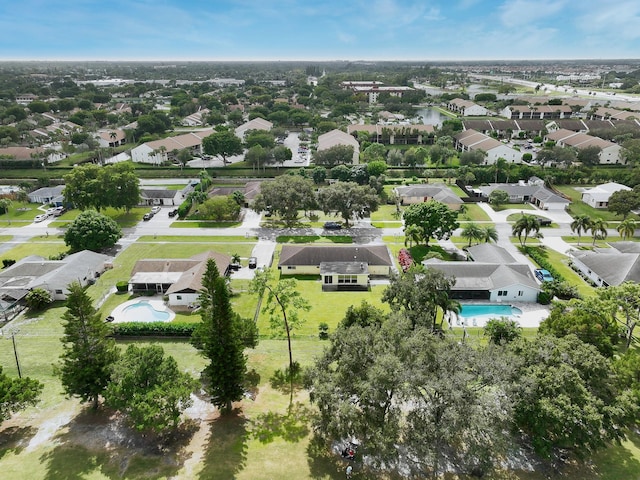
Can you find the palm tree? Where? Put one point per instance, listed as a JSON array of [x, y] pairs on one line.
[[489, 234], [580, 224], [499, 166], [598, 229], [412, 233], [627, 228], [525, 224], [472, 232]]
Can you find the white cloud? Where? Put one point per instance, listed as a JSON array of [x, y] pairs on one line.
[[516, 12]]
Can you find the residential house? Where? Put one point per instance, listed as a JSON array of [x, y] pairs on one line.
[[598, 196], [178, 278], [542, 112], [469, 140], [610, 266], [196, 119], [604, 113], [111, 138], [338, 137], [159, 196], [420, 193], [466, 108], [395, 134], [255, 124], [157, 151], [527, 192], [54, 276], [493, 275], [339, 267], [610, 153], [52, 195]]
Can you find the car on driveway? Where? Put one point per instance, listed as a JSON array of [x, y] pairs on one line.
[[40, 218], [253, 262], [155, 209], [332, 226], [173, 213], [544, 222], [543, 275], [147, 216]]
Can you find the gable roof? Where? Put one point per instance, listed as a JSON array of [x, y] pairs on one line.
[[613, 268], [490, 253], [157, 193], [439, 192], [484, 276], [298, 255]]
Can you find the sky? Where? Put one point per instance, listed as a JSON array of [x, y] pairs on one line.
[[319, 29]]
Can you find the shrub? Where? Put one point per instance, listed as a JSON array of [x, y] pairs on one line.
[[405, 259], [122, 286], [155, 329], [323, 328], [7, 262], [183, 209], [544, 298], [38, 299]]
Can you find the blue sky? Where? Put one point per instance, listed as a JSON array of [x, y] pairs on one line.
[[318, 30]]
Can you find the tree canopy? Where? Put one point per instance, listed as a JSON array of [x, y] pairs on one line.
[[285, 196], [149, 388], [224, 143], [219, 339], [92, 231], [88, 354], [337, 155], [433, 218], [97, 187], [350, 200], [17, 394]]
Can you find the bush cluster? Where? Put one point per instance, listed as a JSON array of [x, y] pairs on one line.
[[153, 329]]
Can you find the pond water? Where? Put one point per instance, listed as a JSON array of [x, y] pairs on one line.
[[431, 116]]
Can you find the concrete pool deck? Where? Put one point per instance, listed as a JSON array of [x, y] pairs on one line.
[[120, 315], [532, 315]]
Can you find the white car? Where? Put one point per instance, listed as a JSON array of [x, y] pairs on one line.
[[40, 218], [155, 210]]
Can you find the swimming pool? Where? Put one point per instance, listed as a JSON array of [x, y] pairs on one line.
[[488, 310], [144, 311]]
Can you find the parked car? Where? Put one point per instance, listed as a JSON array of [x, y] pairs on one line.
[[155, 210], [253, 262], [59, 211], [147, 217], [544, 222], [332, 225], [40, 218], [173, 213], [543, 275]]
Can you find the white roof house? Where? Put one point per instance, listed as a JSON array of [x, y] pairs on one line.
[[598, 196], [610, 153], [466, 108], [469, 140], [255, 124], [156, 152], [338, 137]]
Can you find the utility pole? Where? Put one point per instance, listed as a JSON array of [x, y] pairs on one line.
[[15, 353]]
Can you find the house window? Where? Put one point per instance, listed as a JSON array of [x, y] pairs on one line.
[[179, 297], [349, 279], [58, 292], [502, 293], [520, 293], [328, 279], [291, 267]]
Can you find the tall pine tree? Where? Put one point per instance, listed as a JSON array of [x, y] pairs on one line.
[[88, 354], [218, 338]]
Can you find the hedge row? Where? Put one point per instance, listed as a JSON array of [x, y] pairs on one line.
[[153, 329], [540, 259]]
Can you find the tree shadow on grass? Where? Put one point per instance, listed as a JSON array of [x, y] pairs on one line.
[[226, 452], [15, 439], [101, 442], [292, 426]]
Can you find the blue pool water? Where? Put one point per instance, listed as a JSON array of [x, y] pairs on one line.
[[144, 312], [492, 311]]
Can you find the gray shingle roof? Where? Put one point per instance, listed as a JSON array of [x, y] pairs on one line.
[[613, 268], [484, 276], [298, 255]]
